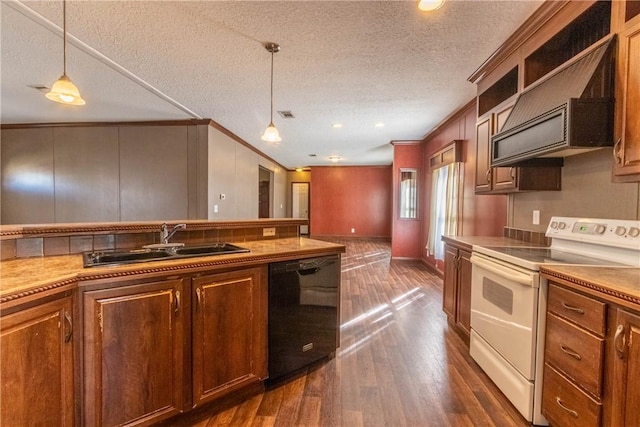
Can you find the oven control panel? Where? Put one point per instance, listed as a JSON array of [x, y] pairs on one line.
[[610, 232]]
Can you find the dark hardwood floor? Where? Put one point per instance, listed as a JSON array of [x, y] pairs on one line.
[[399, 363]]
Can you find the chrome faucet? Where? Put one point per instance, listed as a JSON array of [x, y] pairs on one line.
[[165, 234]]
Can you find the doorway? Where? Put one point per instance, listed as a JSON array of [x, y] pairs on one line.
[[300, 203], [264, 192]]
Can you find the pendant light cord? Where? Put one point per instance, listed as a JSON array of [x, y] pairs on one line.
[[271, 121], [64, 37]]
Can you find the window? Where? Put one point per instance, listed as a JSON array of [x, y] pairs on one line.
[[445, 199], [408, 194]]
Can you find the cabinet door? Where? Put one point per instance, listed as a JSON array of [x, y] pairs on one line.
[[626, 151], [504, 178], [229, 332], [133, 353], [627, 369], [449, 288], [36, 370], [463, 318], [483, 160]]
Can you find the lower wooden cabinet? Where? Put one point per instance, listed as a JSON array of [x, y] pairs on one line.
[[626, 341], [592, 361], [229, 332], [456, 292], [154, 349], [36, 366], [134, 346]]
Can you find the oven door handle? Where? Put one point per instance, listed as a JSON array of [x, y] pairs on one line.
[[505, 272]]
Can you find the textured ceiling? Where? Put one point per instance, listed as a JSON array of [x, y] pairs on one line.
[[357, 63]]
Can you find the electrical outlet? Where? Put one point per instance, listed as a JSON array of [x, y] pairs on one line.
[[536, 217], [353, 230], [267, 232], [215, 208]]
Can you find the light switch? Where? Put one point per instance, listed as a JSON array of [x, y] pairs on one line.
[[222, 196]]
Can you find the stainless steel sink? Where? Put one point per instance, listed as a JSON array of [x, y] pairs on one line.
[[94, 259]]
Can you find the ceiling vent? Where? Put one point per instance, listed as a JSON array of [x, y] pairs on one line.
[[286, 114], [313, 155], [41, 88]]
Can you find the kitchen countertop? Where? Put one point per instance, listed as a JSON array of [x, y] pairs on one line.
[[617, 284], [27, 277], [469, 241]]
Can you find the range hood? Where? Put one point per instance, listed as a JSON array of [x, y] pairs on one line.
[[568, 113]]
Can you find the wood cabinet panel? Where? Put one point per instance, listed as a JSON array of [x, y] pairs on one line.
[[582, 310], [627, 149], [575, 352], [450, 286], [456, 292], [229, 332], [133, 353], [36, 366], [483, 158], [627, 368], [564, 404]]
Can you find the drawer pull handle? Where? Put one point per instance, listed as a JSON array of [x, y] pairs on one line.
[[570, 352], [488, 175], [572, 308], [618, 341], [571, 412]]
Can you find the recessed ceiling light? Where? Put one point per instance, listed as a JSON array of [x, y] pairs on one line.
[[379, 125], [336, 125]]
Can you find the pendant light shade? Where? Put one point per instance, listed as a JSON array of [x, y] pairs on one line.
[[428, 5], [63, 90], [271, 134]]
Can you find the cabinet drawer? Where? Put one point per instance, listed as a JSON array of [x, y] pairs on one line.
[[582, 310], [565, 405], [575, 352]]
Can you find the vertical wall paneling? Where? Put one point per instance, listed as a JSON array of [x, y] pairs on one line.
[[86, 174], [153, 173], [27, 176], [405, 235]]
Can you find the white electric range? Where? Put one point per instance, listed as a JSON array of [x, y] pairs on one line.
[[508, 299]]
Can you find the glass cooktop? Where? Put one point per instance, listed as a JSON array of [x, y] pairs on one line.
[[538, 255]]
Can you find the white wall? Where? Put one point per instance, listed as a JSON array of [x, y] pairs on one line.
[[587, 191], [234, 172]]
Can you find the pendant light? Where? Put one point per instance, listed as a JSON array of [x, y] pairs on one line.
[[63, 90], [429, 5], [271, 133]]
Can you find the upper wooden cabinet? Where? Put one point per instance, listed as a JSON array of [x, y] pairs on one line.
[[507, 179], [626, 151], [36, 366]]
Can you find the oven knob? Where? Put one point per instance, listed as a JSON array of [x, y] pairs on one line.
[[620, 231], [562, 225], [554, 225], [634, 232], [600, 229]]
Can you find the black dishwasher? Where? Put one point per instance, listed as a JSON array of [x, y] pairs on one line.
[[303, 312]]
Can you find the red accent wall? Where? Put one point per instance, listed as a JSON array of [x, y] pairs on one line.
[[482, 215], [346, 197], [405, 238]]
